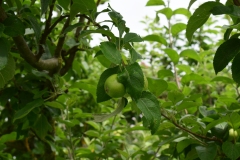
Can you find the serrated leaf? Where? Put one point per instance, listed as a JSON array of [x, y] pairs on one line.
[[208, 152], [231, 150], [155, 38], [82, 6], [235, 68], [13, 26], [167, 12], [42, 126], [149, 105], [4, 50], [36, 27], [199, 17], [155, 3], [132, 78], [54, 104], [134, 55], [28, 108], [172, 54], [132, 37], [157, 86], [101, 31], [64, 3], [225, 53], [111, 52], [101, 94], [177, 28], [7, 72], [190, 53], [44, 6], [102, 117]]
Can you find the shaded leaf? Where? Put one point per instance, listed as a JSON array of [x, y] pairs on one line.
[[157, 86], [223, 79], [102, 117], [13, 26], [225, 53], [134, 55], [165, 73], [7, 72], [54, 104], [132, 37], [4, 50], [82, 6], [199, 17], [71, 27], [44, 6], [232, 10], [236, 68], [190, 53], [28, 108], [208, 152], [149, 105], [111, 52], [8, 137], [101, 31], [64, 3], [231, 150], [175, 96], [42, 126], [36, 27]]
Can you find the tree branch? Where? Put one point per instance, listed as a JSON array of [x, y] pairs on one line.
[[192, 133]]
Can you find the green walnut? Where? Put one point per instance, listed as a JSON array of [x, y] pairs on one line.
[[114, 88]]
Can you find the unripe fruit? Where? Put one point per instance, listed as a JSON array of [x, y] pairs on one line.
[[114, 88], [233, 135]]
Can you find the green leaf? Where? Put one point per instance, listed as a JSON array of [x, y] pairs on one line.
[[178, 27], [92, 133], [175, 96], [190, 53], [231, 150], [91, 88], [155, 3], [149, 105], [64, 3], [42, 126], [167, 12], [4, 50], [111, 52], [172, 54], [28, 108], [234, 120], [134, 55], [191, 3], [54, 104], [82, 6], [236, 68], [44, 6], [186, 104], [223, 79], [232, 10], [13, 26], [132, 37], [225, 53], [101, 94], [71, 27], [208, 152], [7, 72], [157, 86], [36, 27], [8, 137], [124, 154], [155, 38], [194, 77], [199, 17], [132, 78], [183, 144], [102, 117], [102, 31], [165, 73], [182, 11]]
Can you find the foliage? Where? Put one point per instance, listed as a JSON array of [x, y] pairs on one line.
[[52, 98]]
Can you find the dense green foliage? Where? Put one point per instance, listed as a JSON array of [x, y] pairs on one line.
[[53, 100]]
